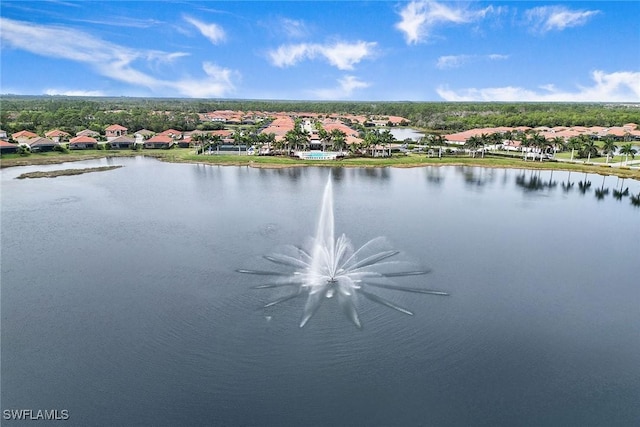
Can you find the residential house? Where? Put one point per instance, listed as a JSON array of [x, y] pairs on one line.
[[3, 134], [88, 132], [23, 136], [7, 147], [115, 131], [57, 135], [172, 133], [124, 141], [159, 141], [83, 143], [143, 134], [42, 144]]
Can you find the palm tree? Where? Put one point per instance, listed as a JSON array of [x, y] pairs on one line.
[[575, 144], [370, 140], [473, 144], [628, 150], [386, 138], [525, 142], [588, 148], [215, 140], [539, 142], [558, 144], [338, 139], [202, 138], [609, 146]]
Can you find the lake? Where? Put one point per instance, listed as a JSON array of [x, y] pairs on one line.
[[122, 305]]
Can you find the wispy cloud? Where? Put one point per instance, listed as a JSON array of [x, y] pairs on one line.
[[419, 18], [620, 86], [293, 28], [211, 31], [65, 92], [456, 61], [116, 62], [549, 18], [341, 55], [125, 22], [346, 86]]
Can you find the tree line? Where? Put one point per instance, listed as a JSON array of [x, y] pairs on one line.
[[43, 113]]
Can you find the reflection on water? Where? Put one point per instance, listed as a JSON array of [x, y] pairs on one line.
[[532, 181]]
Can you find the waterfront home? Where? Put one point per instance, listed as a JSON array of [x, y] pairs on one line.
[[159, 141], [57, 135], [143, 134], [23, 135], [7, 147], [124, 141], [172, 133], [42, 144], [88, 132], [115, 131], [83, 143]]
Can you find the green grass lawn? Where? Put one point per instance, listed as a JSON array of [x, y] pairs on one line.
[[188, 155]]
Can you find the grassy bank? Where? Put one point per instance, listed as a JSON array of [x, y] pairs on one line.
[[185, 155]]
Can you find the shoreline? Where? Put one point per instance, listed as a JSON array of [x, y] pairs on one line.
[[268, 162]]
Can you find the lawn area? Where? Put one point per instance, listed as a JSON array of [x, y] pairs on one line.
[[188, 155]]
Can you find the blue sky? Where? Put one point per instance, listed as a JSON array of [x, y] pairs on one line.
[[324, 50]]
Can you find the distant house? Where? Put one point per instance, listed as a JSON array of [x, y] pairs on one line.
[[83, 143], [7, 147], [122, 142], [42, 144], [159, 141], [115, 131], [175, 134], [3, 134], [142, 134], [23, 135], [57, 135], [88, 132]]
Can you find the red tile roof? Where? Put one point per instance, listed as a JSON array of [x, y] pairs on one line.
[[116, 127], [24, 134], [83, 139], [55, 132]]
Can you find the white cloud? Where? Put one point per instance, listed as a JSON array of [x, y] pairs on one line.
[[620, 86], [452, 61], [341, 55], [114, 61], [64, 92], [455, 61], [346, 86], [548, 18], [212, 31], [418, 18], [293, 28]]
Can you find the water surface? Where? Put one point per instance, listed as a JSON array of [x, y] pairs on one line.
[[120, 302]]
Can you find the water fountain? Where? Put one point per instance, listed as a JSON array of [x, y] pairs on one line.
[[330, 267]]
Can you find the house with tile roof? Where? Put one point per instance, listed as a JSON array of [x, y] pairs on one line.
[[88, 132], [124, 141], [42, 144], [57, 135], [159, 141], [23, 135], [7, 147], [83, 143], [115, 131]]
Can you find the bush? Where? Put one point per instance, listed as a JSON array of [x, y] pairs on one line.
[[23, 151], [61, 149]]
